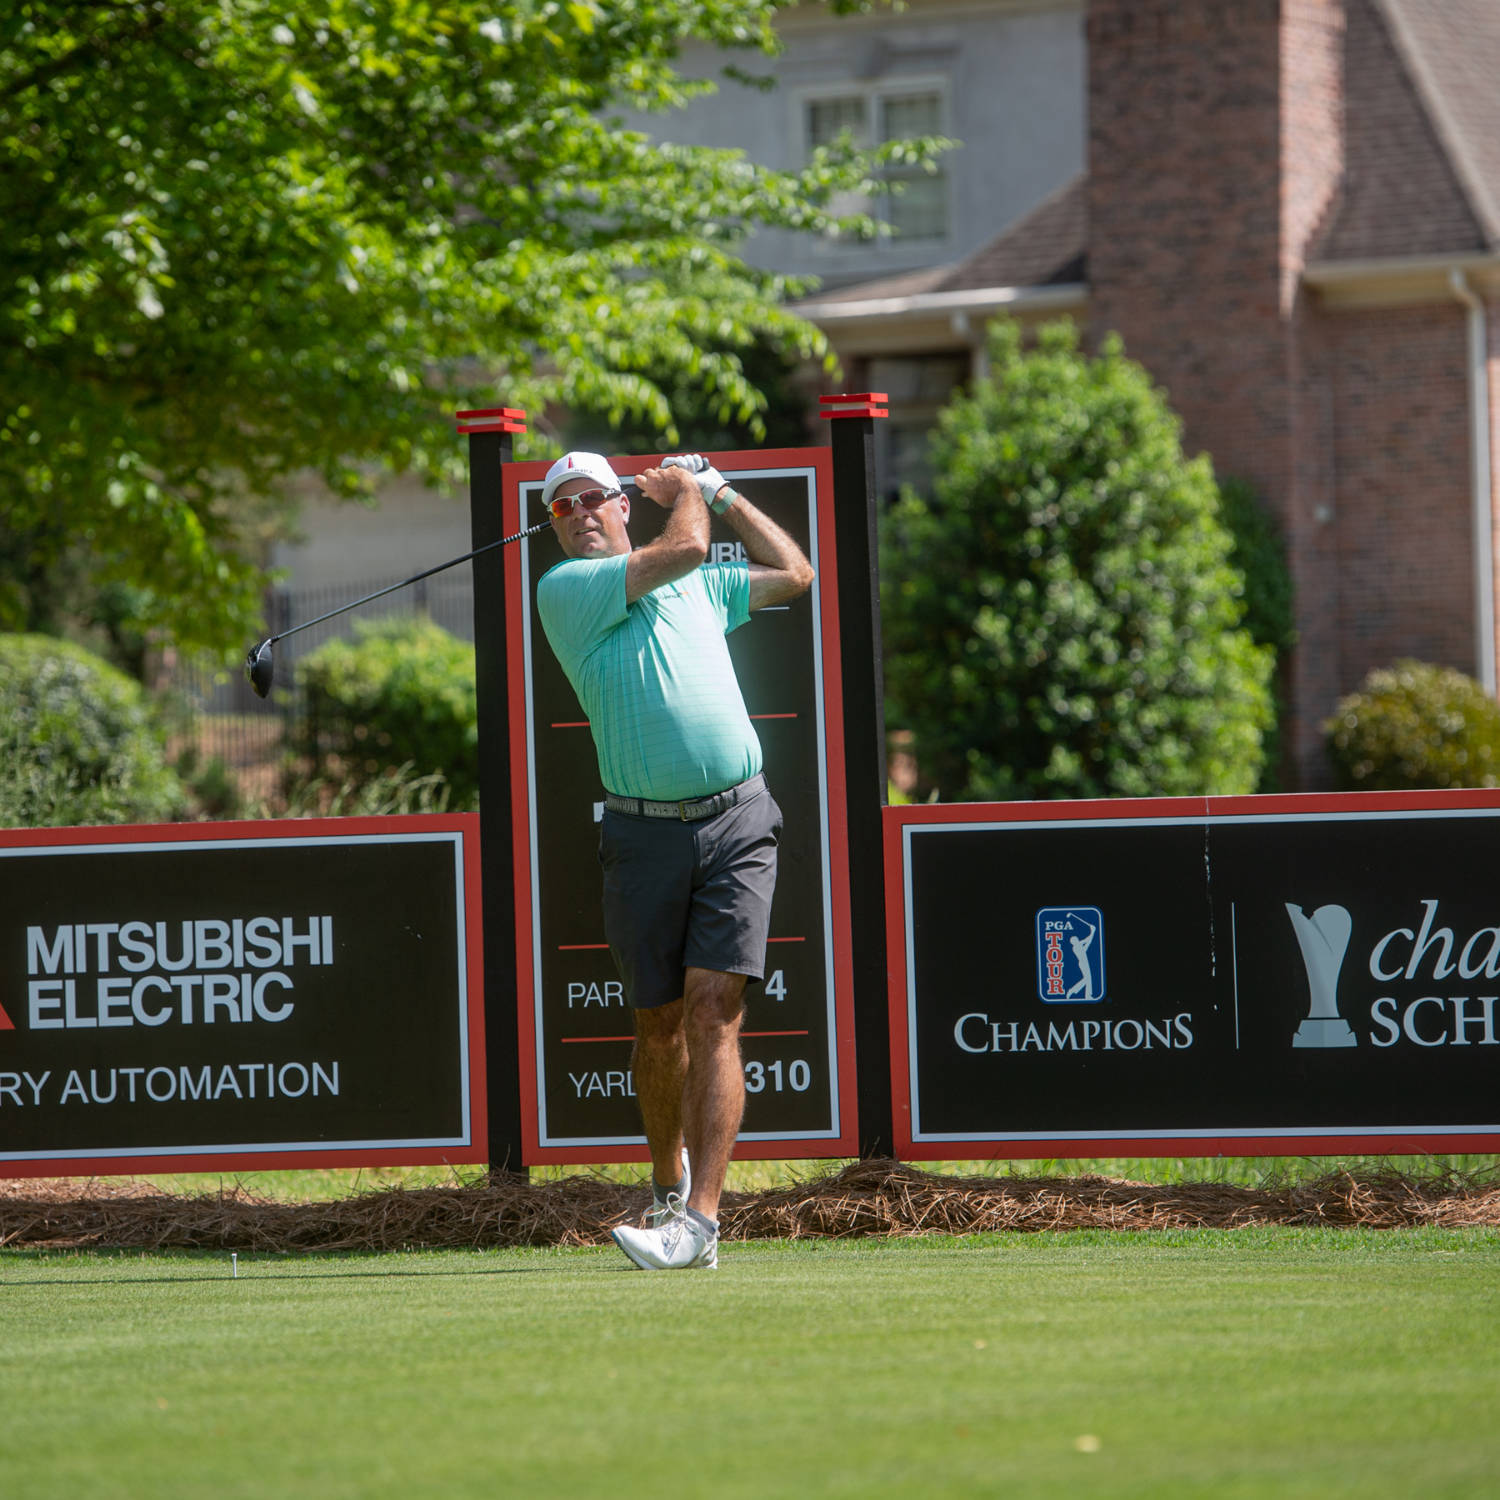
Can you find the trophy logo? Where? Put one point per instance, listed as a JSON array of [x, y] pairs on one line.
[[1323, 938]]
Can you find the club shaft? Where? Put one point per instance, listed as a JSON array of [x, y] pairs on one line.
[[407, 582]]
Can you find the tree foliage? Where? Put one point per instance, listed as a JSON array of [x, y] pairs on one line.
[[1259, 553], [243, 241], [1061, 619]]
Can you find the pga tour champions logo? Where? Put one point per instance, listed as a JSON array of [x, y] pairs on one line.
[[1070, 955]]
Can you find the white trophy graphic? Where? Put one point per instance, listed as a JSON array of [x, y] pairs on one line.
[[1323, 938]]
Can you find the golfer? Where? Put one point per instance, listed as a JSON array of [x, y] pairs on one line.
[[690, 829]]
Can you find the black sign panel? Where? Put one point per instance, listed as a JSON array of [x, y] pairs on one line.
[[240, 995], [579, 1097], [1258, 976]]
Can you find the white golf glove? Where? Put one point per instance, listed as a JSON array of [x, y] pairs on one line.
[[710, 481]]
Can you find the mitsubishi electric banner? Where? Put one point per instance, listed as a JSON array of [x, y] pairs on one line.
[[1248, 976], [239, 995]]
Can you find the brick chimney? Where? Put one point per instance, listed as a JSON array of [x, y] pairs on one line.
[[1215, 153]]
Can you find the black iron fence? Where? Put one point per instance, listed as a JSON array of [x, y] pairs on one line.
[[217, 711]]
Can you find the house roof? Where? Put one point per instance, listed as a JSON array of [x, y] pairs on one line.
[[1421, 178], [1452, 48], [1422, 131], [1045, 247]]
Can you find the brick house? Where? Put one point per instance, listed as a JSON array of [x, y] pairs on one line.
[[1291, 212]]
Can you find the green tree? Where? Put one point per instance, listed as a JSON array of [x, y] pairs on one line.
[[1061, 620], [244, 241]]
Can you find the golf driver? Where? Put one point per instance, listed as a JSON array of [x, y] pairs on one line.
[[259, 666]]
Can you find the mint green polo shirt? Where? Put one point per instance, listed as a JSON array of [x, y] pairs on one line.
[[654, 677]]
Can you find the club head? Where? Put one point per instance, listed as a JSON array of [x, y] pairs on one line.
[[259, 668]]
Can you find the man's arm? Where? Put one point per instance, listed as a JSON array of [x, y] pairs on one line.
[[779, 569], [683, 543]]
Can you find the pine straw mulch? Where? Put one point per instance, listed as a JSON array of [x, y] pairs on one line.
[[878, 1197]]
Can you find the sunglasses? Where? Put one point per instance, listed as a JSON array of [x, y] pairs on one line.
[[563, 505]]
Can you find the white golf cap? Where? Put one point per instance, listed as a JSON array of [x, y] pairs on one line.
[[578, 466]]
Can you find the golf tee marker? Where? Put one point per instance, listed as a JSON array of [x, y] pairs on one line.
[[572, 1016], [858, 578]]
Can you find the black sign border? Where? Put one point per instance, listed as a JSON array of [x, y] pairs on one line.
[[911, 1145], [538, 1150], [472, 1147]]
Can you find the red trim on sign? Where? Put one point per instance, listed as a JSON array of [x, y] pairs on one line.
[[578, 947], [787, 940], [861, 404], [845, 1142], [773, 716], [520, 805], [228, 831], [475, 1150], [503, 426], [847, 1124], [492, 419], [775, 1033], [576, 724], [895, 968], [1304, 803], [242, 1162], [1209, 1142], [479, 1114], [1040, 812]]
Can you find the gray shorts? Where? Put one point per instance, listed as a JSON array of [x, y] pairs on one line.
[[688, 895]]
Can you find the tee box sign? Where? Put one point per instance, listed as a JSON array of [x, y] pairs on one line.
[[235, 996], [578, 1100], [1254, 975]]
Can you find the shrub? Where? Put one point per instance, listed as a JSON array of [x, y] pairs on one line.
[[401, 694], [211, 786], [1259, 554], [1413, 724], [399, 790], [79, 742], [1063, 620]]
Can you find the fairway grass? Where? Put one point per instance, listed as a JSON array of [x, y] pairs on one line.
[[1258, 1362]]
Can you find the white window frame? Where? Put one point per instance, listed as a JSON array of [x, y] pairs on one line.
[[874, 93]]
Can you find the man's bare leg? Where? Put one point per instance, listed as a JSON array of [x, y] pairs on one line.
[[713, 1101], [659, 1063]]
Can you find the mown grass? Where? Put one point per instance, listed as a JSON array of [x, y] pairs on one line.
[[1226, 1364]]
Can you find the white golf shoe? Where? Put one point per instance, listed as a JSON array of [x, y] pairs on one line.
[[657, 1215], [680, 1243]]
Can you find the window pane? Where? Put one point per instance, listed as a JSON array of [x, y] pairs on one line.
[[827, 119], [920, 210], [911, 114]]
